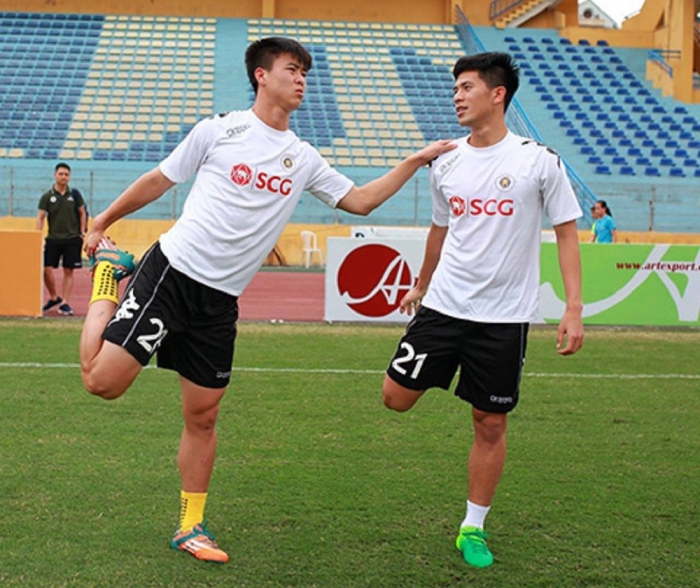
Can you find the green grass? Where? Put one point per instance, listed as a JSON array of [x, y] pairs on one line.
[[316, 484]]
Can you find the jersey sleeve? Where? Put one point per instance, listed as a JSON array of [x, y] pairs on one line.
[[441, 208], [560, 202], [326, 183], [189, 155]]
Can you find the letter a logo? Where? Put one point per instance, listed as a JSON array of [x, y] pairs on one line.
[[373, 279]]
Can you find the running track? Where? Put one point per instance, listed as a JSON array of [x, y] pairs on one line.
[[272, 295]]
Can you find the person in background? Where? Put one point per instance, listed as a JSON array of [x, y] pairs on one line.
[[604, 229], [64, 210]]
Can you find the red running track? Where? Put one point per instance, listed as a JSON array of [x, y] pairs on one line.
[[272, 295]]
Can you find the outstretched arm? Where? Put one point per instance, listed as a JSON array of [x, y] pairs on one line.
[[571, 325], [149, 187], [364, 199], [433, 247]]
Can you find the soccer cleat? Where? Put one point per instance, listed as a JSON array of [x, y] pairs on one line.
[[200, 543], [471, 541], [51, 303], [123, 262], [65, 309]]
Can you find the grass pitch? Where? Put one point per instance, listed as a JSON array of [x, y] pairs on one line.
[[317, 485]]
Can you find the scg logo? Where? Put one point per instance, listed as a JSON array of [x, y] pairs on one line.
[[491, 207], [274, 184], [242, 175]]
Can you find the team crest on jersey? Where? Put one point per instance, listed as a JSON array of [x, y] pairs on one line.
[[287, 162], [504, 183]]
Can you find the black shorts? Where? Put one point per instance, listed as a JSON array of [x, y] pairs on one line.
[[68, 249], [490, 357], [190, 325]]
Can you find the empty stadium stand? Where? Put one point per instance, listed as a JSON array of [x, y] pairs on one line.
[[376, 91], [606, 110], [117, 93]]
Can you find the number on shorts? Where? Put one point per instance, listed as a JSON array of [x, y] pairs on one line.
[[151, 342], [410, 355]]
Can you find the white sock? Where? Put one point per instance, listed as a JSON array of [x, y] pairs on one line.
[[475, 515]]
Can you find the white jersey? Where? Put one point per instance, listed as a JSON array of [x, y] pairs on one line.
[[491, 199], [249, 179]]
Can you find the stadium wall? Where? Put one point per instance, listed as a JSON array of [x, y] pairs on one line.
[[137, 235], [425, 11], [22, 268]]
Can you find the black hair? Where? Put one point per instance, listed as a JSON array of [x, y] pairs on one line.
[[61, 164], [604, 204], [262, 53], [495, 68]]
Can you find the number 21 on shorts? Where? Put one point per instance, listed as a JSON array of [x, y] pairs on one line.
[[409, 356]]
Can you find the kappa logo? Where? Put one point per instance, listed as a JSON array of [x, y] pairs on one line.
[[373, 279], [126, 308], [458, 205], [241, 174]]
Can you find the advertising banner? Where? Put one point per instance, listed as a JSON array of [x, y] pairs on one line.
[[366, 278], [651, 284], [654, 285]]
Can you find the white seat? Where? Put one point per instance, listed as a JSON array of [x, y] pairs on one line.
[[309, 246]]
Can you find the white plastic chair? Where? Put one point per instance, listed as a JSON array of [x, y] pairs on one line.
[[309, 246]]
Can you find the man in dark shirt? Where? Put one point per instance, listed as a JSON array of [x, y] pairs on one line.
[[64, 208]]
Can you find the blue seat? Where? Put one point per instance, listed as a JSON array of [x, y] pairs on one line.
[[603, 170], [627, 170], [676, 172], [651, 171]]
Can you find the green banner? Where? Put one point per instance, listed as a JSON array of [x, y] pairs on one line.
[[655, 285]]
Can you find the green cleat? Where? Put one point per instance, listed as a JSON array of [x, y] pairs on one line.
[[471, 542]]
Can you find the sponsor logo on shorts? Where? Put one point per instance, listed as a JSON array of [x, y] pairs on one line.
[[501, 399], [373, 279], [223, 375]]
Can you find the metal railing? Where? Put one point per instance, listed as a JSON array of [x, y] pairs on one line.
[[499, 7], [660, 57]]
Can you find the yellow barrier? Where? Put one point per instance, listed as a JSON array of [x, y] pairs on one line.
[[136, 236], [22, 268]]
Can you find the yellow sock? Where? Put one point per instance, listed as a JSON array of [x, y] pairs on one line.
[[104, 284], [191, 509]]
